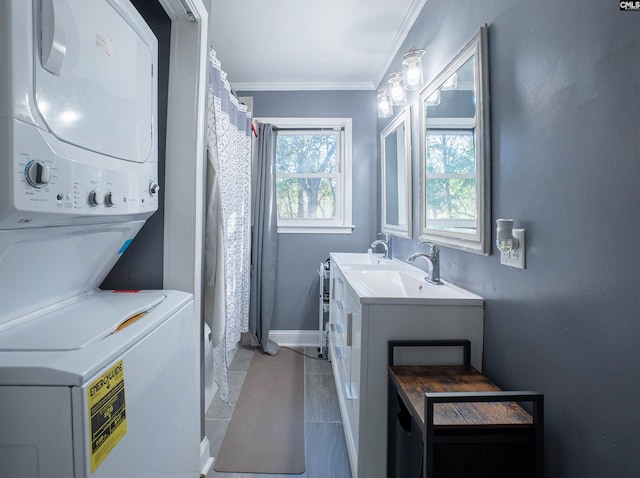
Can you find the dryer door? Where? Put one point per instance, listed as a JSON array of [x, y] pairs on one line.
[[95, 64]]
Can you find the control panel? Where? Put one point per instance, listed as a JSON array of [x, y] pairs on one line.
[[49, 188]]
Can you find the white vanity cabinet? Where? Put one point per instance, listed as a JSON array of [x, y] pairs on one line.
[[345, 338], [360, 324]]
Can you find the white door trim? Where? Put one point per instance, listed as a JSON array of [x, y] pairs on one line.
[[184, 167]]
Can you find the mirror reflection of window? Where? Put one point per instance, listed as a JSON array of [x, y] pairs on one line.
[[451, 180]]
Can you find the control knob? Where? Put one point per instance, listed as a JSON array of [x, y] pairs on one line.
[[154, 188], [95, 198], [37, 174], [110, 199]]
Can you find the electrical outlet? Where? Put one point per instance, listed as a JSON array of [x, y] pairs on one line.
[[515, 258]]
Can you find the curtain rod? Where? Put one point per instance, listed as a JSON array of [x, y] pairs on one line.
[[339, 128]]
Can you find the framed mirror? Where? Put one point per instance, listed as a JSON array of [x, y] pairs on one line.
[[395, 144], [455, 189]]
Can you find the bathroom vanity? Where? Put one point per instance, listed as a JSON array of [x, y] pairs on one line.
[[374, 300]]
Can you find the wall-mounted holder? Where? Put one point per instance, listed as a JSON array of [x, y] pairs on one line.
[[511, 244]]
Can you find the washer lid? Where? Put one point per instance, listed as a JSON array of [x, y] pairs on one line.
[[75, 326], [95, 76], [43, 266]]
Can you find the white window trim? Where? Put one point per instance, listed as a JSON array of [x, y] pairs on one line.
[[315, 226], [452, 123]]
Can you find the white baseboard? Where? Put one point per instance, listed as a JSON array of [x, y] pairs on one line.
[[206, 461], [295, 338]]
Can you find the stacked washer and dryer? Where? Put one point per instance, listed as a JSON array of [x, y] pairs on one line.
[[92, 383]]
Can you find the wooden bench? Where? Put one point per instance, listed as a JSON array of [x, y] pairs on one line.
[[459, 422]]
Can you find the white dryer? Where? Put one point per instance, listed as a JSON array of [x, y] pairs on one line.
[[92, 383], [78, 107]]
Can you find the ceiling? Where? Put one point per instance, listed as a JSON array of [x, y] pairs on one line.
[[309, 44]]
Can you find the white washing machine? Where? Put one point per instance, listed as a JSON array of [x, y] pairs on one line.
[[92, 383], [78, 399]]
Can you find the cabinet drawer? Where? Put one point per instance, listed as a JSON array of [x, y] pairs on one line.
[[353, 410], [338, 286], [336, 335], [340, 371]]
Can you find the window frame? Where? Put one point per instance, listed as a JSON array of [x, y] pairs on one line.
[[342, 223]]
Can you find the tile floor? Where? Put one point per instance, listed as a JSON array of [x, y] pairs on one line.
[[326, 451]]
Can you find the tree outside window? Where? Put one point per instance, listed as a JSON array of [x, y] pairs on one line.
[[307, 168], [451, 179]]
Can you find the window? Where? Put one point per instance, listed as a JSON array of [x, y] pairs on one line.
[[313, 175]]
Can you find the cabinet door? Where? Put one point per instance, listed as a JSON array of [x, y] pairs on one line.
[[342, 349], [340, 353], [337, 322], [337, 284]]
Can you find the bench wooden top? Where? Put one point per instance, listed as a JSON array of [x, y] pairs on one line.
[[412, 382]]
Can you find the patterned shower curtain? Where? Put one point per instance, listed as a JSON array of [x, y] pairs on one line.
[[228, 227]]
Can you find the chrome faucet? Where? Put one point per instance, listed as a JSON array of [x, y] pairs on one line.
[[385, 243], [433, 258]]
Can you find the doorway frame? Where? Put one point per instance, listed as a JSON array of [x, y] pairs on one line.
[[184, 168]]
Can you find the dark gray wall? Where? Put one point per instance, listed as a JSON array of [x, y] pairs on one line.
[[299, 255], [141, 265], [565, 118]]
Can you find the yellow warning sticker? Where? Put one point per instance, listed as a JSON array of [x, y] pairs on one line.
[[107, 414]]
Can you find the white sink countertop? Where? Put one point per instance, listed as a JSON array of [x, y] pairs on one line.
[[384, 281], [356, 260]]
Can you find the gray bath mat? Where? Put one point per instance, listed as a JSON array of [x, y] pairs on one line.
[[266, 431]]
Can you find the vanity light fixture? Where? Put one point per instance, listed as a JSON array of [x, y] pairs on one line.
[[396, 89], [412, 68], [384, 104], [410, 78]]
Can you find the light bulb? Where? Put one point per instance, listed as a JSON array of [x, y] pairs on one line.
[[384, 105], [396, 89], [396, 92], [412, 67], [413, 76]]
